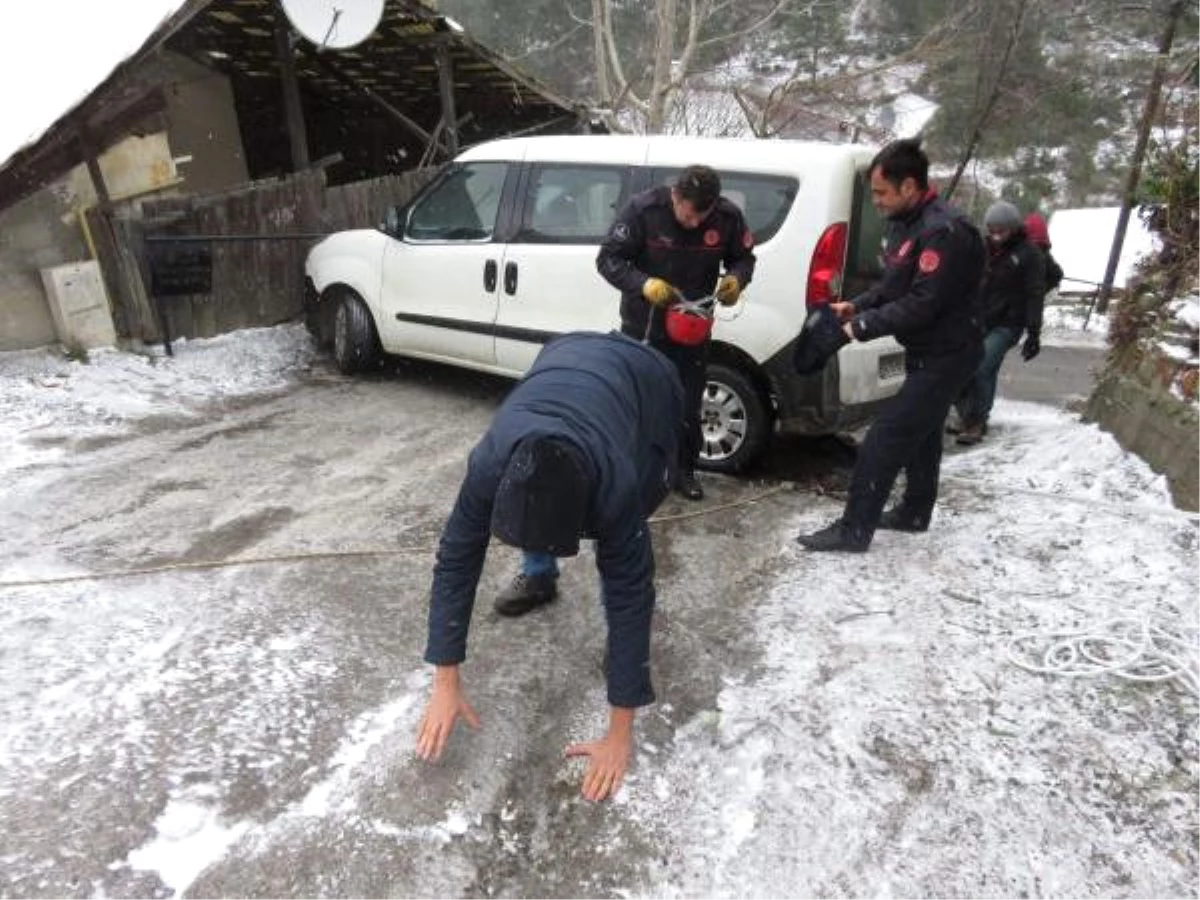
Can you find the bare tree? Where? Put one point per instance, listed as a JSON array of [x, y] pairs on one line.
[[1007, 20], [805, 93], [675, 38]]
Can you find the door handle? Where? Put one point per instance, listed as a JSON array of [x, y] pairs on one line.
[[510, 278], [489, 275]]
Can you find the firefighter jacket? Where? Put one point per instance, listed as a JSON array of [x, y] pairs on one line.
[[928, 296], [646, 241], [620, 403], [1014, 285]]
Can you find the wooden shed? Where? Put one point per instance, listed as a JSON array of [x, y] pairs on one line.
[[317, 140]]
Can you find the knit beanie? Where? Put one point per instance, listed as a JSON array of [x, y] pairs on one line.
[[1002, 214]]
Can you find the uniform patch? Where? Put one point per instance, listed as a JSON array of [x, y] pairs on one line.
[[712, 237], [621, 231], [747, 239], [904, 248], [928, 261]]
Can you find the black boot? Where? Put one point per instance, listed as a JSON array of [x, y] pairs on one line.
[[526, 593], [689, 486], [838, 537], [900, 519]]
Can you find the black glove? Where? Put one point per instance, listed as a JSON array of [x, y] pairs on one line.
[[1032, 347]]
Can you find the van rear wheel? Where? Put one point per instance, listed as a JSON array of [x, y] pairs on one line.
[[735, 420]]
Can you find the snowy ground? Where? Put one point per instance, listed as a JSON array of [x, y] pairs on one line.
[[827, 725]]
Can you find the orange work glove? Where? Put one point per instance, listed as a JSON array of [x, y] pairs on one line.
[[728, 290], [658, 292]]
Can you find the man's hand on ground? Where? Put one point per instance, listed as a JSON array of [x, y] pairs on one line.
[[608, 758], [446, 704]]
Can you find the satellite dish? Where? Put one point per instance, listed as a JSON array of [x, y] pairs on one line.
[[334, 24]]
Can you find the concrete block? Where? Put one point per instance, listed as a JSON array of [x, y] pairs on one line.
[[79, 305]]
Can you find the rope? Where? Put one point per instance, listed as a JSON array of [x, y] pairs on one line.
[[1090, 502], [325, 554], [1127, 647], [211, 564]]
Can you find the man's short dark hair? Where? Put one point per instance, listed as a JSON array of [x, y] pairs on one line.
[[699, 186], [902, 159]]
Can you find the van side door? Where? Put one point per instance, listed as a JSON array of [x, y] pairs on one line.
[[441, 279], [548, 280]]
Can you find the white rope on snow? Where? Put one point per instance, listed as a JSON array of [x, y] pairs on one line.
[[1128, 647]]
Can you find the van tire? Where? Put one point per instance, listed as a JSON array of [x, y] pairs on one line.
[[355, 340], [735, 420]]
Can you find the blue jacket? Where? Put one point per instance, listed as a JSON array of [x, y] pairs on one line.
[[621, 404]]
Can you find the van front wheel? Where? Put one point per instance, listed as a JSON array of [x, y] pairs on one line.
[[355, 340], [735, 421]]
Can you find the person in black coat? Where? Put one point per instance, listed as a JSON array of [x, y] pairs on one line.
[[928, 298], [584, 445], [1014, 292], [672, 241]]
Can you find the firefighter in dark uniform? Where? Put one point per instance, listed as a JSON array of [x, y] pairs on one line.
[[584, 445], [928, 299], [672, 241]]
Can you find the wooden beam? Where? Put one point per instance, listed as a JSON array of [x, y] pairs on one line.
[[445, 66], [429, 140], [293, 109], [88, 150]]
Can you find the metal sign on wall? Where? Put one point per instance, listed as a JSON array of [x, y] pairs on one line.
[[180, 268]]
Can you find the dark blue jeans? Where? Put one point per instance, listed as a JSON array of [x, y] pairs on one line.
[[536, 564], [907, 435], [975, 404]]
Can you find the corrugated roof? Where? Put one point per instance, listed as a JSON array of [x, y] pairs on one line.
[[237, 37]]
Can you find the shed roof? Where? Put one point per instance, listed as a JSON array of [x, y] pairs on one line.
[[397, 63]]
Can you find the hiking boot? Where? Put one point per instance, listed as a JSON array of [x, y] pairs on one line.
[[526, 593], [688, 486], [899, 519], [837, 537], [970, 436]]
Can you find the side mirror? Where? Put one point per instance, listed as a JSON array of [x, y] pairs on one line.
[[393, 221]]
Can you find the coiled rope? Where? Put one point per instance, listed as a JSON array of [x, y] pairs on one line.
[[1130, 647]]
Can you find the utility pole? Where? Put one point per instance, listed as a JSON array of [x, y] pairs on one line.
[[1174, 11]]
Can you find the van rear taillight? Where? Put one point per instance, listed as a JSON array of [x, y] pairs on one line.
[[825, 270]]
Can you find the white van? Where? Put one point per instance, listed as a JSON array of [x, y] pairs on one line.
[[498, 254]]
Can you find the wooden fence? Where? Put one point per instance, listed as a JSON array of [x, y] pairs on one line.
[[246, 246]]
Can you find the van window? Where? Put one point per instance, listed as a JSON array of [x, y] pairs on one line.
[[864, 256], [567, 204], [764, 200], [462, 206]]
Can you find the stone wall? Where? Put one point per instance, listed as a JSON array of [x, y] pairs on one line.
[[1146, 398]]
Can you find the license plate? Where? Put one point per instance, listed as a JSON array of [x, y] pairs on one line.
[[891, 365]]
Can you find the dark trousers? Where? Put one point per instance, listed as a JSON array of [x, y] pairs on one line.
[[690, 363], [975, 404], [908, 435]]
